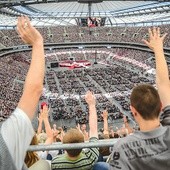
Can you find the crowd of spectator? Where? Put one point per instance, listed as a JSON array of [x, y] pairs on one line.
[[108, 85], [114, 77], [13, 69], [84, 34], [111, 80], [115, 80]]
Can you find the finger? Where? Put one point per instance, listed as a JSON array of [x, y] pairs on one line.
[[87, 93], [163, 37], [27, 20], [22, 22], [45, 108], [146, 42], [154, 31], [158, 31], [19, 26], [90, 92], [48, 109], [150, 32]]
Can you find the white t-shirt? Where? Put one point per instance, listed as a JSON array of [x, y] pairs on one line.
[[17, 132]]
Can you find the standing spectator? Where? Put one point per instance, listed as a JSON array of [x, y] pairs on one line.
[[51, 134], [79, 159], [17, 131], [148, 148], [84, 131], [41, 135], [104, 151], [105, 123], [54, 127], [126, 125]]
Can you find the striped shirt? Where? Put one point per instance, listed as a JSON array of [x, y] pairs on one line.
[[86, 160]]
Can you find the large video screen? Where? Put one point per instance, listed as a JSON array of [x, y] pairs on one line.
[[92, 22]]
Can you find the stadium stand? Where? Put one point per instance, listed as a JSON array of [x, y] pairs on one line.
[[108, 70]]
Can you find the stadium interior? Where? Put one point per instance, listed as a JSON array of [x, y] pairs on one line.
[[89, 45]]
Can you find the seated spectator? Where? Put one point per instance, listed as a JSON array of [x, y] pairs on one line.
[[41, 164], [51, 134], [128, 129], [148, 148], [54, 127], [32, 156], [17, 130], [41, 135], [77, 158], [84, 131], [101, 166]]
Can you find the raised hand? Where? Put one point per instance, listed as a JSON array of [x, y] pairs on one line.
[[27, 32], [78, 127], [124, 119], [90, 98], [104, 114], [44, 112], [155, 39]]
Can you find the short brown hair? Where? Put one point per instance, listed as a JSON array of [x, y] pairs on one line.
[[145, 99], [104, 151], [73, 136]]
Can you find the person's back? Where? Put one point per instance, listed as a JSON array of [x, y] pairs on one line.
[[40, 165], [17, 131], [5, 156], [85, 161], [78, 159], [148, 148], [143, 150]]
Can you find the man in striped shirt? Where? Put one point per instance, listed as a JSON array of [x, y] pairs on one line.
[[77, 158]]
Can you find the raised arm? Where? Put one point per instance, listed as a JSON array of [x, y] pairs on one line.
[[40, 122], [48, 129], [127, 126], [105, 121], [34, 80], [155, 43], [90, 99]]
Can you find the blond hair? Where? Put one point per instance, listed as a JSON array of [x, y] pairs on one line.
[[31, 156], [73, 136]]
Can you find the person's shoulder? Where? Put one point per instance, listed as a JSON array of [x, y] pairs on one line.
[[59, 158], [166, 109], [18, 118], [93, 150], [20, 114], [93, 139], [165, 116], [121, 141]]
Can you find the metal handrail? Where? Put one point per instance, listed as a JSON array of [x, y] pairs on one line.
[[59, 145]]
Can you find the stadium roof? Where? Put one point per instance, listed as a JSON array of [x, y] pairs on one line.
[[65, 12]]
